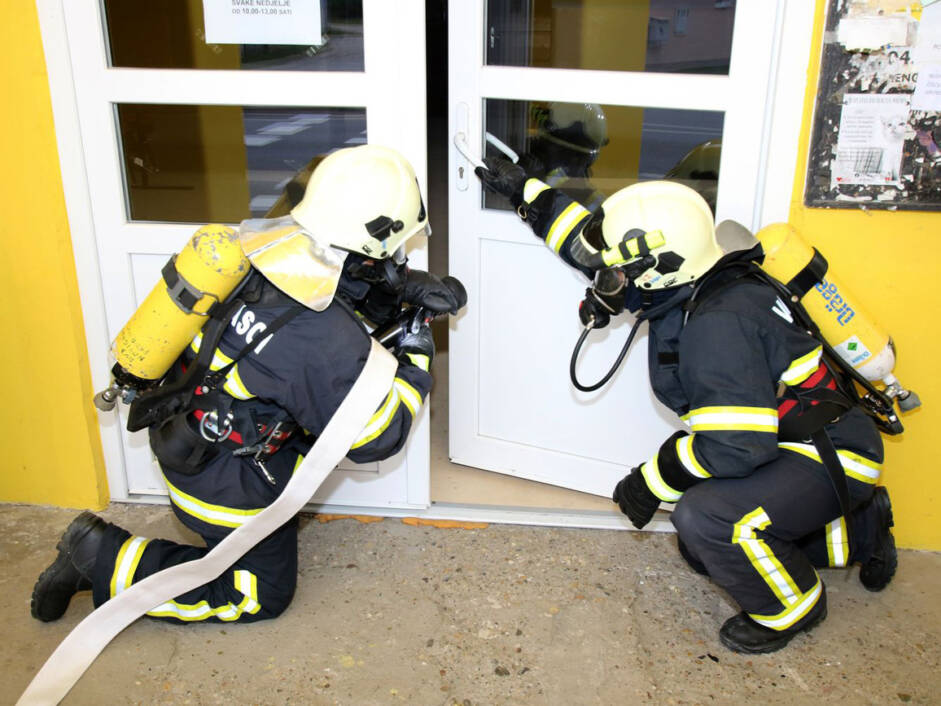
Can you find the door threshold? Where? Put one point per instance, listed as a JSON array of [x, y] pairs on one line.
[[505, 515], [487, 514]]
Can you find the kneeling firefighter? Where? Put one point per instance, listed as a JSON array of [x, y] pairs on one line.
[[272, 365], [769, 414]]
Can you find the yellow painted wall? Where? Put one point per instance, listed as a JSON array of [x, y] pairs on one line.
[[891, 260], [614, 37], [51, 446]]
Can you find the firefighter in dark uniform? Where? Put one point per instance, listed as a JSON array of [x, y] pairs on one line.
[[567, 142], [755, 507], [289, 356]]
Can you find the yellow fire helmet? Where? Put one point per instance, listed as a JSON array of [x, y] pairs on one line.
[[688, 246], [292, 259], [364, 200]]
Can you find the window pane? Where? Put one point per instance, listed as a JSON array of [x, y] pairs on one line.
[[590, 151], [173, 33], [202, 164], [675, 36]]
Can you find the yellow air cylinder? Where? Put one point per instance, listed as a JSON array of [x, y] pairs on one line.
[[207, 270], [843, 323]]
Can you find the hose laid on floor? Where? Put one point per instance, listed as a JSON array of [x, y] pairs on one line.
[[86, 641]]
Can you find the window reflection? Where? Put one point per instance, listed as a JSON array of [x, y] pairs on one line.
[[590, 151], [174, 38], [675, 36], [202, 164]]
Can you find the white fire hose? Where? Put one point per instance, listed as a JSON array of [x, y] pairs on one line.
[[86, 641]]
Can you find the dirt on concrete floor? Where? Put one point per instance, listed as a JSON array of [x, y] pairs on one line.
[[388, 613]]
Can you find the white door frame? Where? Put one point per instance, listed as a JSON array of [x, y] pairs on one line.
[[391, 89], [769, 59]]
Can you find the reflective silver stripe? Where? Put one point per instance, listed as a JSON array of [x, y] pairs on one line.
[[854, 465], [790, 615], [126, 563], [207, 512], [409, 395], [234, 385], [762, 558], [380, 420], [684, 451], [420, 361], [562, 226], [837, 542], [651, 473], [733, 419], [532, 188], [245, 581], [802, 368]]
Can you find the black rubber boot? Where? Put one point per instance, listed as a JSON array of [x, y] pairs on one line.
[[742, 634], [71, 570], [877, 571]]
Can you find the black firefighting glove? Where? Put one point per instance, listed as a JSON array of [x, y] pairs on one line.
[[503, 177], [416, 346], [428, 291], [635, 499]]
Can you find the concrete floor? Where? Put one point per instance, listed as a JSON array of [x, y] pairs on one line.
[[389, 613]]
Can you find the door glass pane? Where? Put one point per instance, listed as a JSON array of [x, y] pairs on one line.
[[202, 164], [674, 36], [590, 150], [174, 37]]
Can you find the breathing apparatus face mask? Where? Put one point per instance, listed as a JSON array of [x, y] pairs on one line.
[[377, 285]]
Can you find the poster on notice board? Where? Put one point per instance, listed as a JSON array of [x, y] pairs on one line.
[[877, 120], [262, 22]]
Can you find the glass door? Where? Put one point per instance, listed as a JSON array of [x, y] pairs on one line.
[[187, 119], [592, 96]]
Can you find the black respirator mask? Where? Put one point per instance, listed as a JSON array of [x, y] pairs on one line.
[[376, 286]]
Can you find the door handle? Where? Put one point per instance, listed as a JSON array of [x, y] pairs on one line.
[[460, 141]]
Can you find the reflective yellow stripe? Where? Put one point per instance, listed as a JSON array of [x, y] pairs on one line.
[[379, 421], [802, 368], [860, 467], [684, 450], [234, 385], [245, 581], [126, 564], [762, 558], [732, 419], [563, 225], [420, 361], [409, 395], [854, 465], [532, 188], [837, 542], [207, 512], [233, 382], [794, 612], [655, 482]]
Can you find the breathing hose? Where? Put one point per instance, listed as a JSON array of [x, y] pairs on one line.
[[617, 363]]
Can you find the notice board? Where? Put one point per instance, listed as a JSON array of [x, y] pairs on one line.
[[877, 120]]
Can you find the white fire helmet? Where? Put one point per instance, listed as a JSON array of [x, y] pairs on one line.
[[364, 200], [689, 246]]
